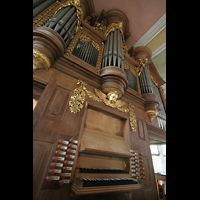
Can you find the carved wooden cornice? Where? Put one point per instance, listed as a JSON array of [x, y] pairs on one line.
[[88, 7], [115, 16], [154, 73]]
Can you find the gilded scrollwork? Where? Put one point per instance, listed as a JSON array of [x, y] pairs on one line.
[[78, 98], [87, 39], [132, 118], [49, 12], [142, 63], [73, 42], [113, 26], [79, 10], [99, 60]]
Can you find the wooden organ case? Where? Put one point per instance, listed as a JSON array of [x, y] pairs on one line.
[[86, 146]]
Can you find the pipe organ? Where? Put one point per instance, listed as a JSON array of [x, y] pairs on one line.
[[96, 106]]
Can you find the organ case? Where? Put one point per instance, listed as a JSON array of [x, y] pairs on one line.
[[108, 136]]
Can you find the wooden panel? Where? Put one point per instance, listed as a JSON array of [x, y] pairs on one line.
[[103, 122], [100, 141], [104, 162], [57, 104], [140, 129], [41, 153], [147, 182]]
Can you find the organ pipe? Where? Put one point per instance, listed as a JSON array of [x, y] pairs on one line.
[[64, 22], [113, 50], [145, 81]]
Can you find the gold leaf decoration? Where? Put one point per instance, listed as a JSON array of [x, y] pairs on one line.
[[132, 118], [78, 99]]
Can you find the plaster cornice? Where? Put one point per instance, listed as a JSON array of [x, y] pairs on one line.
[[152, 32]]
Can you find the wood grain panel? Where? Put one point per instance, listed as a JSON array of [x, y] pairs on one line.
[[99, 141], [57, 103], [41, 153], [140, 129], [100, 121]]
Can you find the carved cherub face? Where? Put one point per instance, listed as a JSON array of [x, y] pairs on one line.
[[112, 96]]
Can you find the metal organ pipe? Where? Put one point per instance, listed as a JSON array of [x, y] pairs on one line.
[[64, 22], [113, 50], [119, 52], [145, 81], [110, 49]]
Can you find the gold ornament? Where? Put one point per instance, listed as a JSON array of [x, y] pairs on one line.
[[40, 60], [78, 99], [151, 114]]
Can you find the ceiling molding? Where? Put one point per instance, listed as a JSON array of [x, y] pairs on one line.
[[159, 50], [152, 32]]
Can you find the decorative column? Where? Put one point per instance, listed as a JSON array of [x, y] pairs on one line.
[[48, 45], [113, 77], [143, 55]]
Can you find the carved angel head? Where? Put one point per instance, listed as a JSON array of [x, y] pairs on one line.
[[112, 96]]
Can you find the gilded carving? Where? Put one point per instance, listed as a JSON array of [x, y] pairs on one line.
[[131, 69], [113, 26], [151, 114], [40, 60], [79, 10], [142, 63], [87, 39], [111, 102], [163, 95], [49, 12], [78, 99], [132, 118], [99, 60], [99, 27], [125, 48], [73, 42]]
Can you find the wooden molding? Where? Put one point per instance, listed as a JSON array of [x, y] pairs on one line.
[[155, 74]]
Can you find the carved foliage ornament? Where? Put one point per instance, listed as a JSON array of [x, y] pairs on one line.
[[113, 26], [87, 39], [78, 98]]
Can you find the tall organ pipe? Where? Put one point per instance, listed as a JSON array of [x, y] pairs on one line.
[[145, 81], [113, 50], [64, 22]]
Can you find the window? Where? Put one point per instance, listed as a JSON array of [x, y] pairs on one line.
[[158, 153]]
